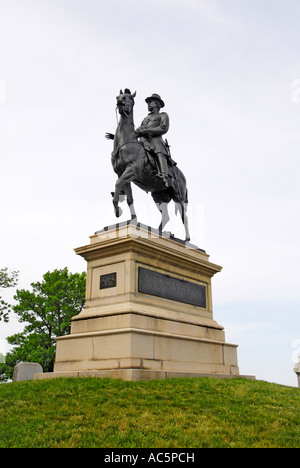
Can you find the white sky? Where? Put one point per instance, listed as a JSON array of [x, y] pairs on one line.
[[229, 73]]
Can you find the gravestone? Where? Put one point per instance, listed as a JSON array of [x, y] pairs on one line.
[[26, 370]]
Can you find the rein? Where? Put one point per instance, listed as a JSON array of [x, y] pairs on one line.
[[126, 143], [126, 115], [117, 115]]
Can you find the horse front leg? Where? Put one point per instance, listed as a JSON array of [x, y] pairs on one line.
[[123, 182], [129, 198], [116, 199], [182, 207]]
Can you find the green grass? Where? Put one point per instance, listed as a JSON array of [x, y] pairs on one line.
[[179, 413]]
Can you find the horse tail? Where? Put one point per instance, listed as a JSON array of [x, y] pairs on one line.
[[181, 191], [186, 198]]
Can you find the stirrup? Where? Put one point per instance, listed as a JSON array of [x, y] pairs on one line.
[[165, 179]]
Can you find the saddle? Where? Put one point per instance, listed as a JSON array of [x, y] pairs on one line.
[[151, 155]]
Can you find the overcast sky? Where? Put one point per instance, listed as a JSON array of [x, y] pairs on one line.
[[229, 73]]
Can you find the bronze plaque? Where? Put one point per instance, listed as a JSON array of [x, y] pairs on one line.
[[108, 281], [169, 287]]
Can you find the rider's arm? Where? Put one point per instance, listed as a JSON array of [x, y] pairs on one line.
[[140, 131]]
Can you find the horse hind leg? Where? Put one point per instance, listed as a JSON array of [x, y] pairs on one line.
[[182, 208], [186, 224], [163, 208]]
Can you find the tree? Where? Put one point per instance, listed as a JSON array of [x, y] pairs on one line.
[[7, 280], [47, 311]]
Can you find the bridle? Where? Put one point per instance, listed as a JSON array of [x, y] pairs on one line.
[[126, 142], [124, 111]]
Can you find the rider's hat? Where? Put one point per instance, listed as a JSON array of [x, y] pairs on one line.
[[155, 97]]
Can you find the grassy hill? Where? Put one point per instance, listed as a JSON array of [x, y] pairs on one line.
[[179, 413]]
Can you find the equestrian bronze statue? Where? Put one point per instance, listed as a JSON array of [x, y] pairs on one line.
[[142, 156]]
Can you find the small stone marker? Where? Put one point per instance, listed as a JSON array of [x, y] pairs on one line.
[[26, 371]]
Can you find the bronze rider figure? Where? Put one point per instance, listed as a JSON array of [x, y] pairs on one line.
[[150, 133]]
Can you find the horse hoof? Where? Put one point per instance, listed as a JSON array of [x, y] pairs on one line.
[[118, 212]]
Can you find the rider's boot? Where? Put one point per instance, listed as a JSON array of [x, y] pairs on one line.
[[164, 168]]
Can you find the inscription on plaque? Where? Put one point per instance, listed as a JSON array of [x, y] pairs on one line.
[[108, 281], [169, 287]]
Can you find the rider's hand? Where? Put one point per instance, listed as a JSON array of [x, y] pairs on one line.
[[109, 136], [144, 133]]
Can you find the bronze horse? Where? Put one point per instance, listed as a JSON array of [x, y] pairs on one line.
[[131, 163]]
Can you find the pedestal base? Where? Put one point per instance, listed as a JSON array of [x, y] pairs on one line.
[[148, 312], [133, 375]]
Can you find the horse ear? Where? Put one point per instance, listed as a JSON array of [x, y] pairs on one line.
[[134, 94], [121, 92]]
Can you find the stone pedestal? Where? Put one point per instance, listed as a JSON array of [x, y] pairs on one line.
[[148, 311]]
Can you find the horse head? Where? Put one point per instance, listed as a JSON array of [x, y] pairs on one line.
[[125, 102]]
